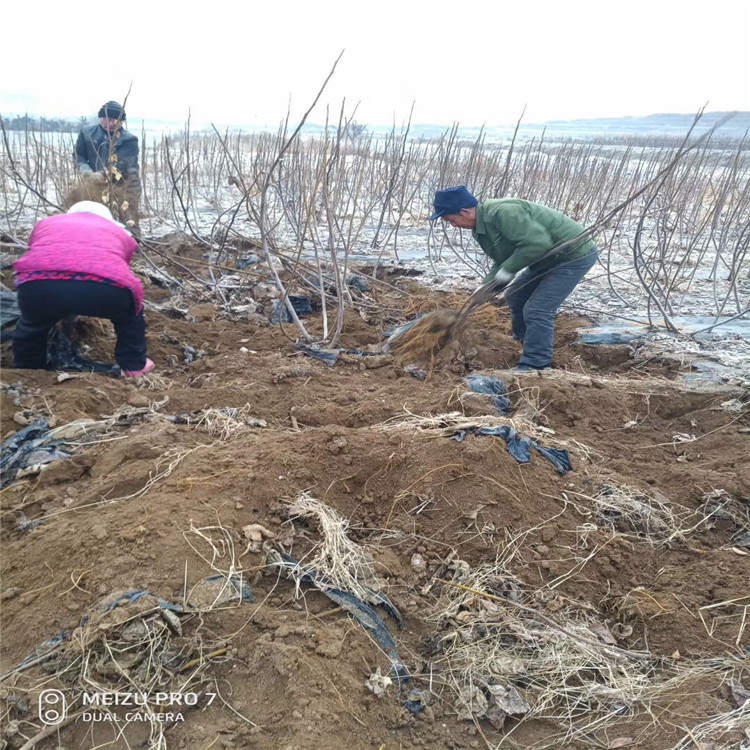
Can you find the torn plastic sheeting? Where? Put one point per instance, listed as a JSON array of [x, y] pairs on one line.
[[360, 283], [557, 456], [501, 404], [241, 588], [126, 598], [307, 575], [363, 613], [28, 447], [331, 356], [415, 701], [415, 371], [383, 601], [370, 620], [328, 282], [395, 331], [486, 384], [520, 447], [491, 386], [38, 654], [190, 354], [247, 260], [47, 647], [10, 313], [27, 524], [62, 354], [360, 353], [280, 314], [129, 597]]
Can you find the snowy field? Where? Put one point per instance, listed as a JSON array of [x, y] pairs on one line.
[[673, 258]]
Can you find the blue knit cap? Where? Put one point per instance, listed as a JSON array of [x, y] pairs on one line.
[[452, 200]]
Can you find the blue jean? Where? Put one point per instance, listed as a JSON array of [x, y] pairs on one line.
[[534, 298]]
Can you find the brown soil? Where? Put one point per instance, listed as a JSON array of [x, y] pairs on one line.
[[296, 672]]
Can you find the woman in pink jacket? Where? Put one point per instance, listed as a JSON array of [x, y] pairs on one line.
[[78, 263]]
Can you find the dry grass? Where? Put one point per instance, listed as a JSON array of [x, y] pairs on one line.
[[227, 423], [163, 468], [495, 638], [651, 517], [507, 650], [708, 734], [335, 559], [719, 505], [450, 423], [154, 381], [529, 407], [438, 331], [453, 423], [129, 643], [215, 545]]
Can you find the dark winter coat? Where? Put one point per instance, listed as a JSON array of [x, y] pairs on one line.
[[93, 151]]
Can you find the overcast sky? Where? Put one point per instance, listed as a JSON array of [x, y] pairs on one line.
[[472, 63]]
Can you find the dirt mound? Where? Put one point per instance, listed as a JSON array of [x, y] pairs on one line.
[[639, 548]]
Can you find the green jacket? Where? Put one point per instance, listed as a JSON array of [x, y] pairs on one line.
[[517, 233]]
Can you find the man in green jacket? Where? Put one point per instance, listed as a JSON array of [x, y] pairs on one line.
[[522, 236]]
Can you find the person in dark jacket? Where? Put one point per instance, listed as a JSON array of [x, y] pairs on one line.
[[109, 149], [520, 236]]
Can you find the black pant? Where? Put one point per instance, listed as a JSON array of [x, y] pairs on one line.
[[44, 303]]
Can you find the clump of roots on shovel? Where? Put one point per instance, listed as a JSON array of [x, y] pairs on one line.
[[435, 331], [429, 335]]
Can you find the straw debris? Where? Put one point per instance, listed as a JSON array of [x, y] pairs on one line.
[[503, 651], [650, 517], [131, 643], [336, 560]]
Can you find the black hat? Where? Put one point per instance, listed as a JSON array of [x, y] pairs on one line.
[[113, 110], [452, 200]]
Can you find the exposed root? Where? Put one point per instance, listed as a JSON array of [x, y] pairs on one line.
[[163, 468], [428, 336]]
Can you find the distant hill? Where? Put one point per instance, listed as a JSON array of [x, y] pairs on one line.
[[661, 124], [670, 125]]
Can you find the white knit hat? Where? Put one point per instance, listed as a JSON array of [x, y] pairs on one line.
[[91, 207]]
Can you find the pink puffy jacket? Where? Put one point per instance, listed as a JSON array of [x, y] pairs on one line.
[[83, 243]]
